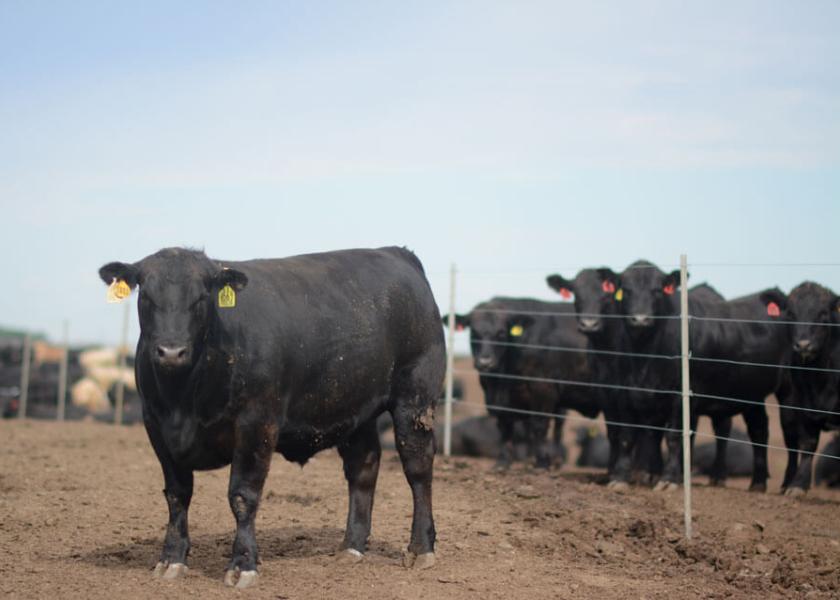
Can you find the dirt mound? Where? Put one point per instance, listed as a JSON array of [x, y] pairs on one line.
[[84, 516]]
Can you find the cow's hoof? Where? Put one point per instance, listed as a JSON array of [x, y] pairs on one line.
[[718, 483], [349, 556], [618, 486], [164, 570], [423, 561], [241, 579], [666, 486], [794, 492], [758, 487]]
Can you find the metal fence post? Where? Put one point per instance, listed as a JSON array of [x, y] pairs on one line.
[[686, 392], [62, 377], [450, 363], [123, 350], [24, 376]]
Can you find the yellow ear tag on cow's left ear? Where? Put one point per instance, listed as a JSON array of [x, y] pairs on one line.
[[516, 330], [227, 297], [117, 291], [619, 295]]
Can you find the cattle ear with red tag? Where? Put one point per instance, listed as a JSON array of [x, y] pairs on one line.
[[461, 321], [561, 285], [609, 280], [117, 271], [670, 282], [774, 301]]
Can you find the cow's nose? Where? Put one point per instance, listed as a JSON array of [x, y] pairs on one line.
[[589, 324], [172, 356], [484, 361], [803, 346], [641, 320]]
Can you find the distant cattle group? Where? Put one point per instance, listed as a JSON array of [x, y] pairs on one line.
[[616, 351]]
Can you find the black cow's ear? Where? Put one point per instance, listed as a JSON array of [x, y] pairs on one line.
[[607, 274], [121, 272], [461, 321], [560, 284], [517, 324], [671, 281], [771, 297], [235, 279]]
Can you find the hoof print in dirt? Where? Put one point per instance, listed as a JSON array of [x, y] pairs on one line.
[[241, 579], [423, 561]]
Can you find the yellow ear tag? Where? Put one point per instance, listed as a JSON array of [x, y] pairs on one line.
[[619, 295], [516, 330], [227, 297], [117, 291]]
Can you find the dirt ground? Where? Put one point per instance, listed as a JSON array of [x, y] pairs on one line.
[[82, 516]]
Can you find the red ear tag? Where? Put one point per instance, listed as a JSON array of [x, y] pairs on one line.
[[565, 293], [669, 289], [608, 287], [773, 309]]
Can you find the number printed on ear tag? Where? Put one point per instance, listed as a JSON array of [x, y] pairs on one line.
[[227, 297], [117, 291]]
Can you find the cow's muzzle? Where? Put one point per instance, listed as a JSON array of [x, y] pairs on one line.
[[172, 356]]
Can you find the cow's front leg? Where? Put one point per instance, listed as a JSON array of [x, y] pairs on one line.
[[178, 491], [249, 468]]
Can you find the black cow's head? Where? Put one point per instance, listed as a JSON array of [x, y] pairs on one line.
[[597, 292], [178, 291], [646, 291], [494, 331], [815, 308]]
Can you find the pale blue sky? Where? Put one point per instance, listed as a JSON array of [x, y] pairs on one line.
[[512, 138]]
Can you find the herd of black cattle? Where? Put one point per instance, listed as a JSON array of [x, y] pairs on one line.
[[616, 350], [238, 360]]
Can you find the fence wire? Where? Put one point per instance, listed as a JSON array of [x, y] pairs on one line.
[[566, 417]]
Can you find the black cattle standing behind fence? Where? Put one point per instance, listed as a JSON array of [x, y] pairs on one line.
[[672, 426]]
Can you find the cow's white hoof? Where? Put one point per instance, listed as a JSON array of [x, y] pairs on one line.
[[240, 579], [175, 571], [794, 492], [349, 556], [423, 561], [619, 486]]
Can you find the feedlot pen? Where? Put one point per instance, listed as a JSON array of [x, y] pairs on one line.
[[83, 516]]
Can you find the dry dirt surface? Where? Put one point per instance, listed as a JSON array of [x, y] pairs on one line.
[[82, 516]]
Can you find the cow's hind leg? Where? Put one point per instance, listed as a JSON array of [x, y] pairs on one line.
[[361, 466], [759, 431], [722, 426], [414, 393]]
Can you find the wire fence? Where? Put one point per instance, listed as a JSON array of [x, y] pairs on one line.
[[686, 357]]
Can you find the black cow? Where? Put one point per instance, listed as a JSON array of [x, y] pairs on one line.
[[597, 306], [809, 401], [313, 349], [511, 341], [718, 333]]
